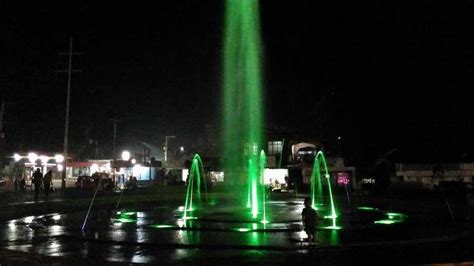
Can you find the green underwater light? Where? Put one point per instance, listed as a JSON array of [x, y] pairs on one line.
[[126, 220], [332, 227], [392, 218], [243, 230], [364, 208], [162, 226], [385, 222]]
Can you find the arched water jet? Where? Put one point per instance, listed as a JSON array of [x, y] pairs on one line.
[[196, 173], [316, 187]]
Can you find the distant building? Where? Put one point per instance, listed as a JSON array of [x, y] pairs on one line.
[[431, 174]]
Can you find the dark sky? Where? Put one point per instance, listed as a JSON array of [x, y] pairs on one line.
[[380, 74]]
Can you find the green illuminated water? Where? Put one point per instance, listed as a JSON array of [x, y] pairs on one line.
[[193, 192], [262, 164], [243, 102], [317, 187]]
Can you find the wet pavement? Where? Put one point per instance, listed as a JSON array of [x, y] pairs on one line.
[[213, 233]]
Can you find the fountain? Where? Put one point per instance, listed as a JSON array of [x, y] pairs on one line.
[[196, 174], [317, 188], [242, 101], [203, 224]]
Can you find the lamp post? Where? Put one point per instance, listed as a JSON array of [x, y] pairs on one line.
[[166, 146]]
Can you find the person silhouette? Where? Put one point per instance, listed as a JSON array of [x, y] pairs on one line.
[[310, 220], [37, 181]]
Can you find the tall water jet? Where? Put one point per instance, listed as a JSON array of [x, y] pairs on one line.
[[242, 99], [196, 174], [262, 164]]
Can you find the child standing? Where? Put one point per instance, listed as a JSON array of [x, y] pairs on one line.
[[310, 220]]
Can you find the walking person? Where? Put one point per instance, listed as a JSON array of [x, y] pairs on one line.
[[37, 181], [48, 178]]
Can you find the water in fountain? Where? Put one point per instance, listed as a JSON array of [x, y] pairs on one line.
[[317, 188], [242, 101], [193, 192]]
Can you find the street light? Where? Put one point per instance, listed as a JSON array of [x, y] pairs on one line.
[[44, 159], [125, 155], [59, 158], [32, 157], [17, 157]]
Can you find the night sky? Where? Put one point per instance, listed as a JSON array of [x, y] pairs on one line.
[[381, 75]]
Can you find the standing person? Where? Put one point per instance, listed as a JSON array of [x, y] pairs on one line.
[[37, 180], [310, 220], [16, 181], [48, 178]]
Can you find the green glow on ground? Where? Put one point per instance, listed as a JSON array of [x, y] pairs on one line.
[[393, 218], [126, 220], [385, 222], [332, 227], [161, 226], [125, 217], [363, 208], [242, 229], [396, 215]]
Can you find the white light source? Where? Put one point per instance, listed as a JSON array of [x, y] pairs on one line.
[[32, 157], [136, 170], [134, 161], [94, 168], [17, 157], [44, 159], [125, 155], [60, 168], [59, 158], [181, 148]]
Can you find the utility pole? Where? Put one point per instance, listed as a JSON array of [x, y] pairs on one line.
[[66, 123], [2, 134], [115, 120], [166, 146]]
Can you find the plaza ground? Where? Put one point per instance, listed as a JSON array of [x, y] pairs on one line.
[[440, 240]]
